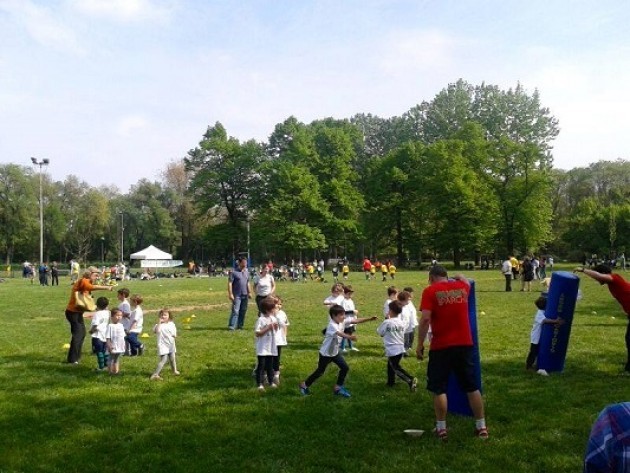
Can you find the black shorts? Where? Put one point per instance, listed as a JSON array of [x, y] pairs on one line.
[[457, 360]]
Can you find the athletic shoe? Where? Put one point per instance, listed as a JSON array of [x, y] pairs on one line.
[[276, 380], [156, 377], [141, 350], [345, 350], [482, 433], [354, 349], [542, 372], [413, 385], [341, 391], [273, 385], [442, 434], [261, 388], [304, 391], [176, 373]]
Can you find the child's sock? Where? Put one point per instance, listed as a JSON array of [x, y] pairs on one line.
[[100, 358], [440, 425], [480, 424]]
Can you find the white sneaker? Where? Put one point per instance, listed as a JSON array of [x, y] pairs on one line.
[[276, 380], [261, 388], [542, 372], [274, 385], [345, 350], [354, 349]]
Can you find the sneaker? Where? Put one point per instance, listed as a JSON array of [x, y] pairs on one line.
[[176, 373], [141, 350], [156, 377], [276, 380], [345, 350], [542, 372], [354, 349], [304, 391], [442, 434], [261, 388], [341, 391], [482, 433], [273, 386], [413, 385]]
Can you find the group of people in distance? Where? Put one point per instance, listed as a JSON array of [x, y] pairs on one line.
[[527, 270], [115, 333]]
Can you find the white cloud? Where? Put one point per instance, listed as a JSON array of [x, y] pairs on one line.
[[130, 124], [43, 26], [123, 10]]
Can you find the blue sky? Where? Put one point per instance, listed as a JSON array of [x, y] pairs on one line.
[[113, 90]]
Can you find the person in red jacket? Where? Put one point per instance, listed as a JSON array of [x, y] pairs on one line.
[[367, 267], [619, 288]]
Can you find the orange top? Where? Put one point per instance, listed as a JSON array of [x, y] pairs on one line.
[[84, 285]]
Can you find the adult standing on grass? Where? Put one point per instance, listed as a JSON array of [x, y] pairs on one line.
[[239, 292], [265, 286], [620, 290], [506, 269], [74, 314], [444, 307]]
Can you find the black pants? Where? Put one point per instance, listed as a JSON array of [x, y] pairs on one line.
[[508, 282], [394, 369], [323, 363], [77, 329], [532, 356], [409, 337], [265, 367], [628, 345], [55, 279], [276, 359]]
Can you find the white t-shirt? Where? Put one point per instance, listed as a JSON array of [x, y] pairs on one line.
[[100, 319], [266, 343], [386, 307], [137, 316], [537, 327], [264, 284], [506, 267], [330, 345], [349, 307], [393, 333], [125, 307], [411, 315], [334, 300], [281, 333], [116, 333], [166, 334]]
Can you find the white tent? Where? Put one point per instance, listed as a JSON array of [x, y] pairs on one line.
[[151, 252], [152, 257]]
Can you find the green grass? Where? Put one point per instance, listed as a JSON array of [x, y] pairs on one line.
[[63, 418]]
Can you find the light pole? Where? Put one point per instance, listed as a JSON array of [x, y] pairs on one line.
[[102, 249], [122, 235], [43, 162]]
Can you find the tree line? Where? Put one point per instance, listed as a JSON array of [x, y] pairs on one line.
[[467, 174]]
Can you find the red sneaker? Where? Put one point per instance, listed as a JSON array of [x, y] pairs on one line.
[[442, 434], [482, 433]]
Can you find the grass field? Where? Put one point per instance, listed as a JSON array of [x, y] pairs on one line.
[[63, 418]]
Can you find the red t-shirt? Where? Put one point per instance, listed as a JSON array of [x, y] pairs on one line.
[[367, 265], [448, 303], [620, 290]]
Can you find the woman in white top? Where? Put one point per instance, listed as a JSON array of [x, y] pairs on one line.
[[264, 286]]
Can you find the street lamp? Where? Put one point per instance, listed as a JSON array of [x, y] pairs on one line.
[[122, 235], [43, 162], [102, 249]]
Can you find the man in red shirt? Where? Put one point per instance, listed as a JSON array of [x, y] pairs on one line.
[[444, 307], [620, 290], [367, 266]]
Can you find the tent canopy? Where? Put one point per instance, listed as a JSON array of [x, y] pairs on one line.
[[153, 253]]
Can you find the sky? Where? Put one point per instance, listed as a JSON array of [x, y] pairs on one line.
[[112, 91]]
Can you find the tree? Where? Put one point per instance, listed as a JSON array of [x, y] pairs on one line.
[[18, 209], [225, 177]]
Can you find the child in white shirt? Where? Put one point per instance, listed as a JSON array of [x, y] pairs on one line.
[[539, 320], [136, 321], [329, 351], [410, 315], [125, 308], [392, 293], [266, 349], [351, 312], [336, 295], [166, 332], [281, 338], [98, 329], [115, 336], [392, 329]]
